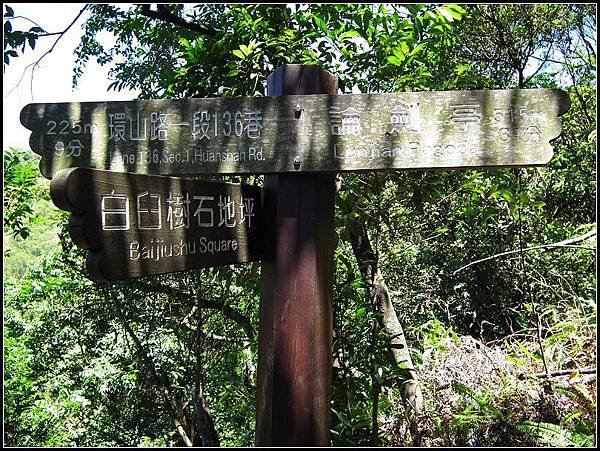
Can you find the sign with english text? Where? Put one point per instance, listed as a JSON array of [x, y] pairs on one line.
[[306, 133], [135, 225]]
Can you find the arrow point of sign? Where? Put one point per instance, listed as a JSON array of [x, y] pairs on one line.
[[35, 145], [45, 170], [25, 114], [564, 102], [93, 266], [58, 189], [76, 229], [549, 154]]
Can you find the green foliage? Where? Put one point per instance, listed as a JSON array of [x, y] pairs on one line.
[[20, 174], [356, 42], [15, 39], [485, 394], [102, 390], [75, 375], [509, 45], [549, 434]]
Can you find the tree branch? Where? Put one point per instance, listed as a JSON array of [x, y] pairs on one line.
[[590, 48], [545, 248], [158, 380], [162, 14], [186, 322], [36, 63], [26, 18], [228, 311], [543, 62], [559, 373], [366, 258]]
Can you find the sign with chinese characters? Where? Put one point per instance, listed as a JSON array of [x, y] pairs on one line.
[[309, 133], [135, 225]]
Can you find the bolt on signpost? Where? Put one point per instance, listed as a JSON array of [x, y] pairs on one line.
[[116, 167]]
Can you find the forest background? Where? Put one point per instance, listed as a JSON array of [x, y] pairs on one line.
[[466, 317]]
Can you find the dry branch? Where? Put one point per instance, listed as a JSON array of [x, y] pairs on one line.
[[162, 14], [544, 248], [560, 373], [38, 61]]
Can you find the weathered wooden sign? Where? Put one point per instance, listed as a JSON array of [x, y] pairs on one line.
[[308, 133], [135, 225]]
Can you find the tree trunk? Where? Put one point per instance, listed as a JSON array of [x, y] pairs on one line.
[[205, 431], [380, 297], [411, 391]]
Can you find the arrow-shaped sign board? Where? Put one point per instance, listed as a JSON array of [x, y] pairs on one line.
[[307, 133], [135, 225]]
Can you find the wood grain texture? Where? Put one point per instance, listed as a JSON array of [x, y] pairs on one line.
[[135, 225], [300, 133], [295, 337]]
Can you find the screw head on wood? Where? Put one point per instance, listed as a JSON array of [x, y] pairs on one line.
[[297, 162], [297, 110]]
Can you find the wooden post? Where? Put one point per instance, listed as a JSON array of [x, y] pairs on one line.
[[295, 334]]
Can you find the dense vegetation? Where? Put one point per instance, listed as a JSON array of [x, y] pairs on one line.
[[504, 348]]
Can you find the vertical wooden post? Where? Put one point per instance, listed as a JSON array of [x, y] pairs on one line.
[[295, 333]]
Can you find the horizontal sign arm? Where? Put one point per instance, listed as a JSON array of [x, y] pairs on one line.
[[307, 133], [135, 225]]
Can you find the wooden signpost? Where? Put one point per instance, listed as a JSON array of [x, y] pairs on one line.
[[296, 293], [300, 133], [135, 222], [135, 225]]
